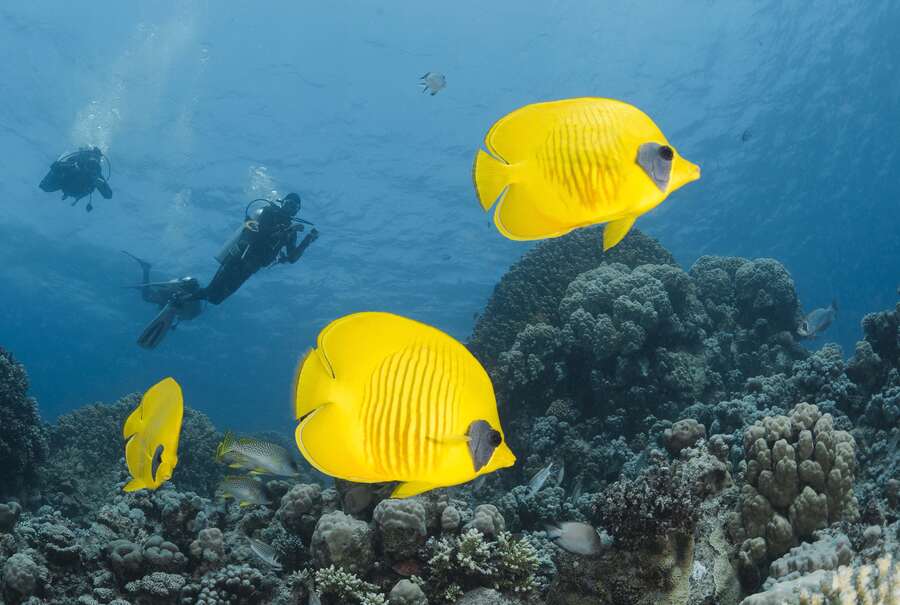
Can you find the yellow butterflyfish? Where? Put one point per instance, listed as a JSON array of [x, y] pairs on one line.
[[557, 166], [151, 436], [384, 398]]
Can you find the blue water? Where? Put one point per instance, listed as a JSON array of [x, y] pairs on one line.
[[203, 106]]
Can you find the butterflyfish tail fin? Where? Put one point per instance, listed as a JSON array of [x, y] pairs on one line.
[[491, 177], [134, 485], [614, 232], [133, 423], [316, 379]]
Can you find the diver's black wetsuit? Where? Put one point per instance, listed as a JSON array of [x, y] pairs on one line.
[[77, 175], [259, 245]]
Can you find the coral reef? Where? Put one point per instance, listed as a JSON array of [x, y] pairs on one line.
[[798, 479], [23, 440], [713, 456]]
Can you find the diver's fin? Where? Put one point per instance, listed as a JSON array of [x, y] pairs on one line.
[[491, 178], [411, 488], [144, 265], [134, 485], [104, 188], [154, 333], [614, 232]]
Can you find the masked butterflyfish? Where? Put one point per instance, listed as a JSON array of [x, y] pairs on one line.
[[151, 436], [556, 166], [383, 398]]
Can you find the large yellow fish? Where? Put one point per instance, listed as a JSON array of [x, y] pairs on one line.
[[566, 164], [151, 436], [384, 398]]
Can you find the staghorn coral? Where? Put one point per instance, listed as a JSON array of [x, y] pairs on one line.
[[23, 440], [460, 563]]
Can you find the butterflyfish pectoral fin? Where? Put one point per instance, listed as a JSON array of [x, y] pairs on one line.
[[412, 488], [449, 439], [614, 232]]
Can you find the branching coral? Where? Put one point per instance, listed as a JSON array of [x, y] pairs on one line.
[[459, 563]]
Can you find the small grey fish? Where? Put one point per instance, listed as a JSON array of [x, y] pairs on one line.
[[539, 479], [433, 82], [244, 490], [577, 538], [258, 457], [478, 483], [576, 491], [265, 553], [817, 321]]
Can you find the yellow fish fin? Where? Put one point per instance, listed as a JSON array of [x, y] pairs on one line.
[[412, 488], [134, 485], [315, 379], [225, 445], [491, 178], [519, 215], [322, 447], [614, 232]]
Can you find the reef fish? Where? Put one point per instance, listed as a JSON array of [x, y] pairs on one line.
[[151, 435], [433, 82], [385, 398], [577, 538], [557, 166], [539, 479], [258, 457], [817, 321], [245, 490], [265, 553]]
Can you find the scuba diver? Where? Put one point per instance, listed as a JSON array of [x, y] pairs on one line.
[[268, 235], [77, 174], [175, 300]]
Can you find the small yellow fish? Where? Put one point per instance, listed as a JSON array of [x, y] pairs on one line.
[[384, 398], [151, 436], [566, 164]]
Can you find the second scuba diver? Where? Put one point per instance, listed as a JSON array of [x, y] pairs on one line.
[[77, 174], [175, 301], [268, 235]]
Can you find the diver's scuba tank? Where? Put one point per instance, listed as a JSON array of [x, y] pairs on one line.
[[237, 246]]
